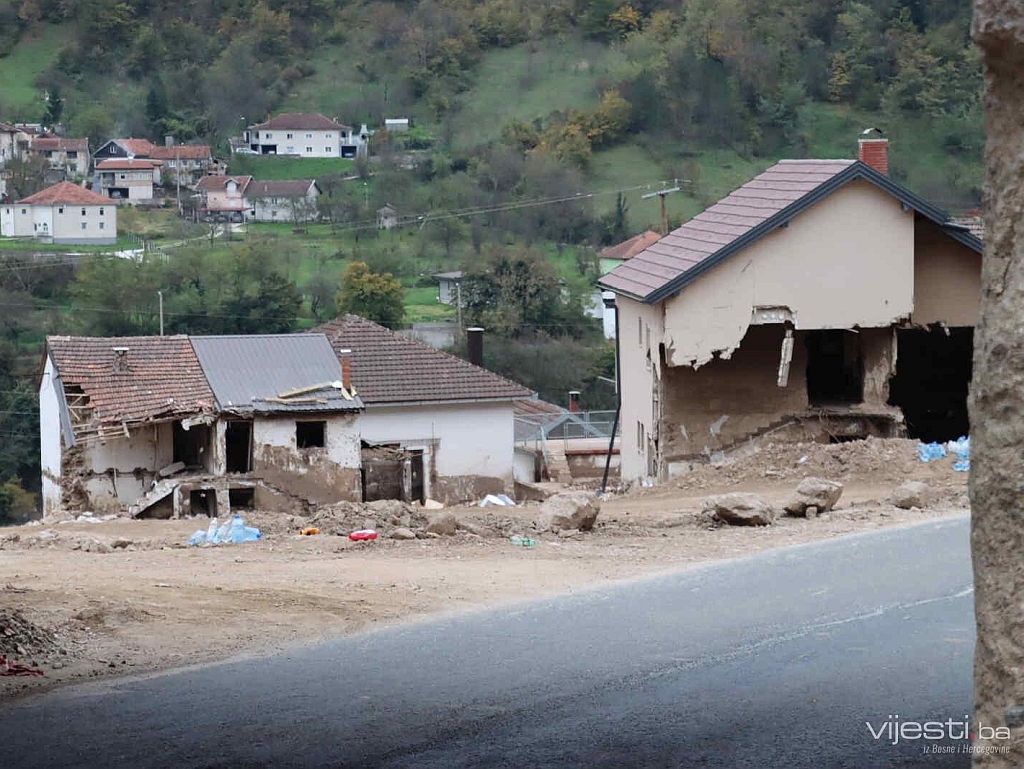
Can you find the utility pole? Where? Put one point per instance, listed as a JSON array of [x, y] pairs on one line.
[[664, 215], [177, 175], [160, 294]]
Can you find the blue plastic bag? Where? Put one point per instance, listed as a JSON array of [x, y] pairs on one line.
[[930, 451]]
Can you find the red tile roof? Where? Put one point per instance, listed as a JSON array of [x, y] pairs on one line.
[[58, 143], [219, 182], [126, 163], [185, 152], [720, 225], [300, 121], [137, 147], [163, 380], [390, 368], [627, 249], [8, 128], [66, 192]]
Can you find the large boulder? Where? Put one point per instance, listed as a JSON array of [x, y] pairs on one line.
[[741, 509], [569, 510], [911, 494], [403, 533], [814, 496], [444, 525]]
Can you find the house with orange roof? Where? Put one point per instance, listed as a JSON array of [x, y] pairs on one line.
[[819, 301], [306, 135], [128, 179], [64, 214]]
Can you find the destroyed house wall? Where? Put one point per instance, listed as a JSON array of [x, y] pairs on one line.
[[947, 278], [640, 334], [725, 403], [317, 475], [50, 439]]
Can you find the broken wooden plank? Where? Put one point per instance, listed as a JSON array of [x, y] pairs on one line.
[[306, 389]]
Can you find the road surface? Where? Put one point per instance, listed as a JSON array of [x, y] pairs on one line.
[[777, 660]]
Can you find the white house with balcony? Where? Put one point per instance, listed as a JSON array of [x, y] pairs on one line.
[[64, 214], [306, 135]]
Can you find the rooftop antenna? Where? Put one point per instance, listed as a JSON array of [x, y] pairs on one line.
[[661, 194]]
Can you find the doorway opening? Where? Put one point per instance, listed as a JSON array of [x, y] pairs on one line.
[[203, 502], [238, 447], [190, 445], [835, 367], [242, 498], [933, 374]]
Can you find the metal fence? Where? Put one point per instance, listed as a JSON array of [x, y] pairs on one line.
[[536, 430]]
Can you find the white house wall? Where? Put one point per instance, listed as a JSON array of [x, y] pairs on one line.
[[469, 446], [640, 331], [49, 439]]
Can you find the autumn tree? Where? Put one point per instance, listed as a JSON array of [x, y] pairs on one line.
[[375, 296]]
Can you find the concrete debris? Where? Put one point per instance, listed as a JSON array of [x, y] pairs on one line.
[[569, 510], [911, 494], [475, 529], [496, 499], [814, 496], [741, 509], [403, 534], [432, 504], [444, 525], [20, 638]]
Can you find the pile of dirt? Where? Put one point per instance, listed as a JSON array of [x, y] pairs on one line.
[[876, 459], [20, 638], [342, 518]]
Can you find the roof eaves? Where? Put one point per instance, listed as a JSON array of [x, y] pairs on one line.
[[382, 404]]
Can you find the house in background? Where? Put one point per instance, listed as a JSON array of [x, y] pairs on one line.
[[127, 179], [69, 155], [448, 291], [444, 422], [184, 164], [820, 301], [282, 201], [174, 425], [387, 217], [610, 258], [306, 135], [124, 149], [62, 214], [223, 196]]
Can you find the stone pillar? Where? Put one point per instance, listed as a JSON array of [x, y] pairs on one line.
[[997, 395]]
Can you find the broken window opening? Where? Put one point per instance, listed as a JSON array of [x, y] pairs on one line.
[[933, 374], [203, 502], [835, 367], [190, 445], [238, 446], [243, 497], [310, 435]]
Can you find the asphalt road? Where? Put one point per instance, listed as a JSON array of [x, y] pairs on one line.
[[777, 660]]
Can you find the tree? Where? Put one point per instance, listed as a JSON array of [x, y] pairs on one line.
[[26, 176], [54, 107], [376, 296]]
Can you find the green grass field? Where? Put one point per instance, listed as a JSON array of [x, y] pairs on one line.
[[19, 71]]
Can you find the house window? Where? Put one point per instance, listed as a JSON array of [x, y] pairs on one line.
[[640, 437], [328, 135], [24, 211], [640, 331], [121, 176], [287, 136], [310, 435], [83, 212], [102, 227], [60, 209], [268, 136], [72, 154], [309, 136], [101, 211], [83, 225], [327, 149], [309, 149]]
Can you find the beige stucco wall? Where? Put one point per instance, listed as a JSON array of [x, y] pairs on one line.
[[640, 377], [947, 279], [847, 261], [48, 222]]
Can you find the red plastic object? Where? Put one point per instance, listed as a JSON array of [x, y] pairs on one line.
[[362, 535], [8, 668]]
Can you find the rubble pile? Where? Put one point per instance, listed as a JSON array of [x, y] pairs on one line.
[[20, 638]]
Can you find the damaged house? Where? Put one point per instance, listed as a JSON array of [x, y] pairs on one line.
[[173, 425], [820, 301]]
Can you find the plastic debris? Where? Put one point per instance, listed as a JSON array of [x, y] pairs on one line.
[[309, 531], [515, 539], [9, 668], [363, 535], [497, 499], [930, 451], [233, 532]]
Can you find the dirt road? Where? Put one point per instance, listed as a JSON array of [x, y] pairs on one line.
[[83, 600]]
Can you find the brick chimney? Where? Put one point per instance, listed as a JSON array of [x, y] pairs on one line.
[[120, 360], [874, 150], [475, 346], [346, 368], [574, 401]]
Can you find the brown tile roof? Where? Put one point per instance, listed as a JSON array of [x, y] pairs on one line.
[[8, 128], [186, 152], [218, 182], [66, 192], [164, 378], [281, 188], [137, 147], [58, 143], [300, 121], [727, 220], [125, 163], [390, 368], [535, 409], [627, 249]]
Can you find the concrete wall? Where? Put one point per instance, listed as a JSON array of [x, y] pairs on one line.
[[318, 475], [641, 384], [468, 447], [115, 472], [49, 439], [947, 278], [846, 262]]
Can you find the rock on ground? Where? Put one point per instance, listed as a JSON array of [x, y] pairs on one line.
[[403, 533], [741, 509], [815, 494], [445, 525], [569, 510], [911, 494]]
